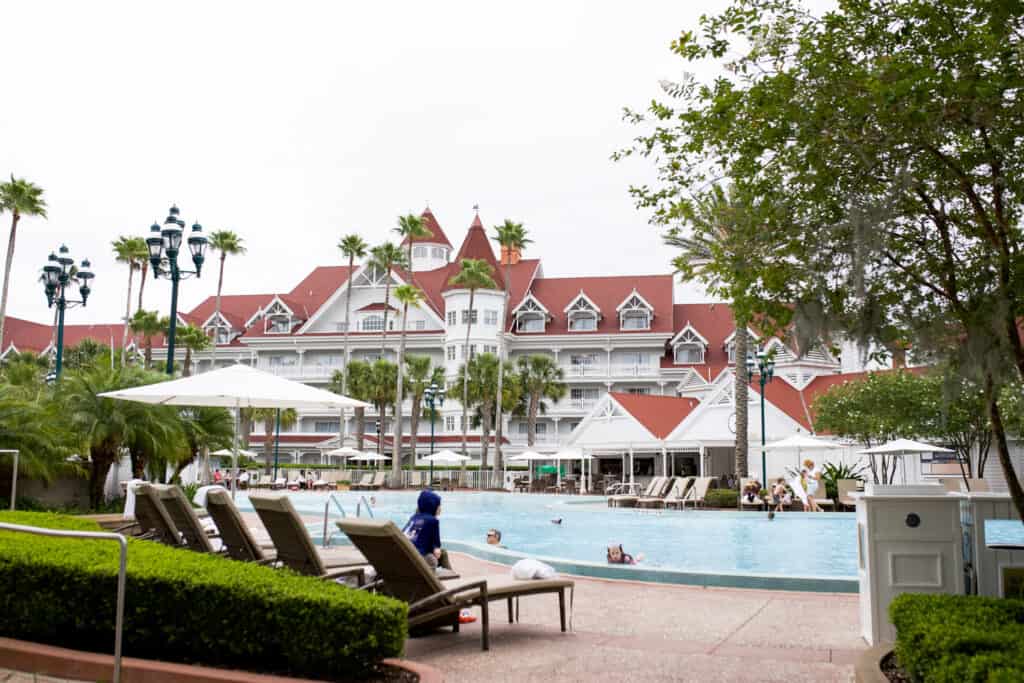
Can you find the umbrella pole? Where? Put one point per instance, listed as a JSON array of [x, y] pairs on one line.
[[277, 442], [234, 449]]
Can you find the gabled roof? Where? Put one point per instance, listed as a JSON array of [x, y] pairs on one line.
[[531, 298], [582, 295], [606, 292], [376, 307], [689, 326], [658, 414], [788, 399], [437, 234], [476, 246], [25, 335], [629, 297], [237, 309], [316, 288]]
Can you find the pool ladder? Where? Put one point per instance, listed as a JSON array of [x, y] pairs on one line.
[[327, 533]]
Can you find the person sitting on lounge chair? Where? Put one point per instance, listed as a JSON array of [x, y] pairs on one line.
[[423, 528], [217, 476], [616, 555], [751, 491]]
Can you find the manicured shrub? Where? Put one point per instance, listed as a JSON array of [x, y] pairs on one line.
[[188, 607], [721, 498], [959, 638]]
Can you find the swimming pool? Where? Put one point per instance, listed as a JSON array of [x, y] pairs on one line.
[[795, 551]]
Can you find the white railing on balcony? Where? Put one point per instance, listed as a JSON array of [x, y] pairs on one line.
[[575, 404], [620, 370], [590, 370], [310, 371]]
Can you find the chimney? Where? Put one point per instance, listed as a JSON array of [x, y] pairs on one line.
[[510, 256]]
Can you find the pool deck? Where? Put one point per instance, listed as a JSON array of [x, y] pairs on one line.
[[632, 631]]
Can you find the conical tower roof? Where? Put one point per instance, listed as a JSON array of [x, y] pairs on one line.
[[477, 246], [437, 236]]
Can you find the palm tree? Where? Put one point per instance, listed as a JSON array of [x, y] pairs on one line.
[[31, 422], [411, 227], [193, 339], [131, 251], [226, 242], [352, 247], [480, 376], [420, 376], [407, 295], [148, 324], [540, 378], [381, 390], [206, 429], [20, 198], [154, 440], [473, 274], [386, 257], [24, 369], [716, 237], [357, 377], [512, 238], [269, 416]]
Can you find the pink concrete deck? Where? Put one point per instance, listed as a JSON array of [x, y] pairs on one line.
[[626, 631]]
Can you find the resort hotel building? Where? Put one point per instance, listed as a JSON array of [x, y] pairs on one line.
[[648, 361]]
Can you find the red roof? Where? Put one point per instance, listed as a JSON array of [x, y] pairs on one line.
[[29, 336], [788, 399], [236, 308], [658, 414], [25, 335], [606, 293], [437, 234], [376, 307], [477, 246], [388, 439], [317, 287]]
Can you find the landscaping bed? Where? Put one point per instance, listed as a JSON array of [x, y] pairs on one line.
[[956, 638], [187, 607]]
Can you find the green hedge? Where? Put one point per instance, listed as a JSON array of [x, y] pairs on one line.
[[959, 637], [184, 606], [722, 498]]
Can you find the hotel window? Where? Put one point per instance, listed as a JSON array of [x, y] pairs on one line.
[[326, 426], [530, 322], [472, 351], [541, 428], [282, 361], [584, 394], [635, 358], [582, 315], [451, 352], [491, 349], [278, 325], [449, 423], [466, 317], [453, 317], [490, 317], [522, 428], [438, 252], [635, 314], [731, 348], [373, 323], [419, 325], [689, 352], [419, 252], [583, 359], [639, 391]]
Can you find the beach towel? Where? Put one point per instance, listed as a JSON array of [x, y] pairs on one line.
[[798, 489]]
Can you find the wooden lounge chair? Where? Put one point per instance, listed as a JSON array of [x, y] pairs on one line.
[[364, 484], [698, 491], [629, 501], [403, 574], [415, 479], [295, 548], [378, 481], [154, 522], [844, 488], [184, 517], [677, 495], [657, 498], [237, 538]]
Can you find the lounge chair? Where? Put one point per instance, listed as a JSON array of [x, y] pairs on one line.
[[657, 498], [678, 494], [324, 481], [295, 548], [415, 479], [978, 486], [403, 574], [184, 517], [237, 538], [154, 522], [844, 488], [629, 501], [378, 481], [698, 491], [344, 477], [364, 484]]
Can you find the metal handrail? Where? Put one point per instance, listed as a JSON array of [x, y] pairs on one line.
[[362, 499], [121, 574], [327, 505]]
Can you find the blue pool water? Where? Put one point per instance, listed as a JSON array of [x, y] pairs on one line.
[[714, 543]]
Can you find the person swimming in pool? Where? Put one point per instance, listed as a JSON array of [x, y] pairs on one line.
[[616, 555]]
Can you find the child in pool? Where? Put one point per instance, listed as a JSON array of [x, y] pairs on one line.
[[616, 555]]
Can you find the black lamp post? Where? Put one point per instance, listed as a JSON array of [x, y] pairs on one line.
[[164, 245], [57, 275], [765, 366], [434, 396]]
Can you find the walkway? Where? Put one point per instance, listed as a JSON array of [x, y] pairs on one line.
[[626, 631]]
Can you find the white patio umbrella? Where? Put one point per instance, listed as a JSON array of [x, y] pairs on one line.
[[237, 386], [345, 452], [570, 455], [446, 456], [529, 456], [800, 442], [224, 452], [903, 447]]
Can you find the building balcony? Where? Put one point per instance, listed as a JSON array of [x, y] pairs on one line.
[[619, 370], [592, 370], [302, 372]]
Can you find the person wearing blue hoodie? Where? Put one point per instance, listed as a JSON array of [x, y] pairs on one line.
[[423, 528]]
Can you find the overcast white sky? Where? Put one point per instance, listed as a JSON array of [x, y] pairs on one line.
[[294, 123]]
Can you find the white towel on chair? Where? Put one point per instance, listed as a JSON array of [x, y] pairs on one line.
[[129, 499], [200, 497]]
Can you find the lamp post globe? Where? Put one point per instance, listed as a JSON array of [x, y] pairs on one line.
[[164, 245], [765, 366], [434, 396], [58, 273]]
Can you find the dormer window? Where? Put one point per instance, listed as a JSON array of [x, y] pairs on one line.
[[583, 314], [635, 313], [531, 316], [439, 253], [278, 318], [372, 323], [730, 345], [688, 347], [419, 252], [220, 335], [279, 324]]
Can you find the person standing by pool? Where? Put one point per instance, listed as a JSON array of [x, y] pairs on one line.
[[813, 482], [423, 528]]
